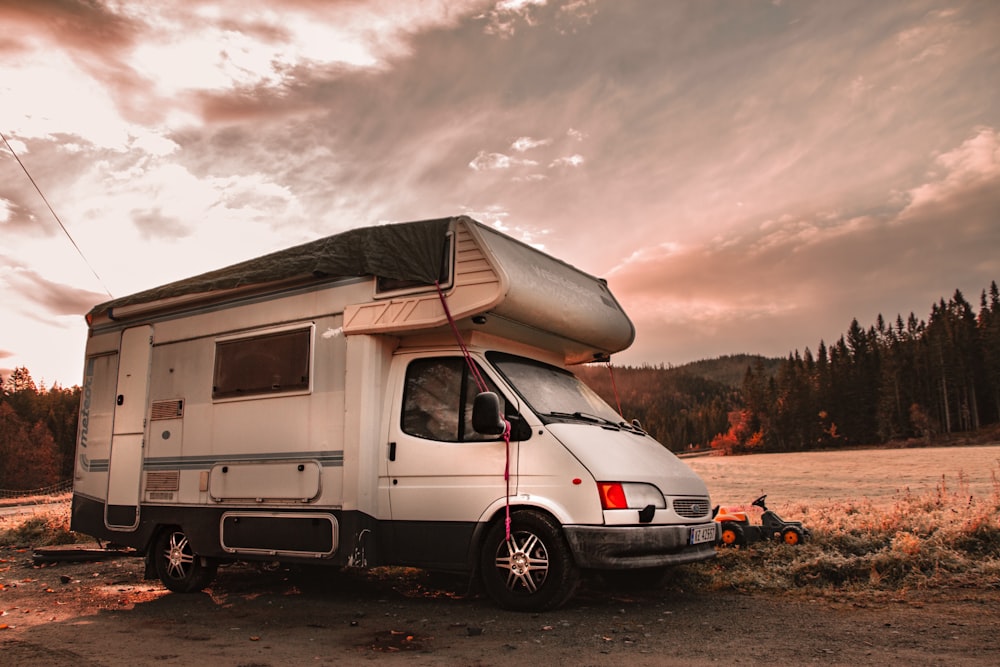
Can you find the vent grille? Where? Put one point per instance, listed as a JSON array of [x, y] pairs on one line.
[[692, 508], [173, 409], [163, 481], [160, 495]]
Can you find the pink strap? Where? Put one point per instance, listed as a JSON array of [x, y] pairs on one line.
[[481, 385]]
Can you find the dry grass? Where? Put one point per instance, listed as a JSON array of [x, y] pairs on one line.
[[940, 539], [45, 526]]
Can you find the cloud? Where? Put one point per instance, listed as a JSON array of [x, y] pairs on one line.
[[569, 161], [810, 275], [976, 162], [152, 223], [508, 16], [492, 161], [46, 297], [522, 144]]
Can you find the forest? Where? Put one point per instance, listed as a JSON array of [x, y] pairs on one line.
[[37, 432], [912, 379], [908, 380]]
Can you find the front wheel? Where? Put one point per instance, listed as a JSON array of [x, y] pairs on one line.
[[179, 568], [732, 535], [531, 571]]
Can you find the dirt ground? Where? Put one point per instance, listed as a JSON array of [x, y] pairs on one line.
[[104, 613]]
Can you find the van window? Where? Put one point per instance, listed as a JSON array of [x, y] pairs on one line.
[[438, 390], [266, 364]]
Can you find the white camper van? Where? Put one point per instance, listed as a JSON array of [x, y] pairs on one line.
[[392, 395]]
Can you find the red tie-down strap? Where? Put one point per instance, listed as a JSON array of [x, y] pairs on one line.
[[481, 385]]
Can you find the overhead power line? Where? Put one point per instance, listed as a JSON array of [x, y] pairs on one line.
[[54, 215]]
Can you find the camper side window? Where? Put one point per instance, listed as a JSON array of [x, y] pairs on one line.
[[438, 391], [268, 364]]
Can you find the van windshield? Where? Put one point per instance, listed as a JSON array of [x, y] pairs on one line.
[[552, 393]]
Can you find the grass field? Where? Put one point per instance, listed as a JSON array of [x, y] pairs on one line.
[[881, 520], [881, 476]]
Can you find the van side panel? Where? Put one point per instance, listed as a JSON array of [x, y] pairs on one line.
[[93, 452], [365, 495]]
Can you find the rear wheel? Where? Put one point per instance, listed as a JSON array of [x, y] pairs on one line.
[[732, 535], [793, 536], [177, 565], [531, 571]]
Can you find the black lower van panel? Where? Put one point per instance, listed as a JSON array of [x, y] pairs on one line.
[[286, 533], [430, 544], [294, 535]]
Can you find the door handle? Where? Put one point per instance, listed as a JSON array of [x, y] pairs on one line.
[[392, 451], [120, 399]]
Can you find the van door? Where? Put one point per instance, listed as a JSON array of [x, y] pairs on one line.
[[442, 475], [121, 511]]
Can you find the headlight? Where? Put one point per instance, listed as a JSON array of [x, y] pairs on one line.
[[629, 495]]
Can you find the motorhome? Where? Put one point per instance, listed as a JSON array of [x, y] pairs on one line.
[[391, 395]]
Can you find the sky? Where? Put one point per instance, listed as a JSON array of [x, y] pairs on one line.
[[748, 175]]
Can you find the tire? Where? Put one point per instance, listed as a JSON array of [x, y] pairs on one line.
[[179, 568], [793, 536], [534, 570], [732, 535], [644, 579]]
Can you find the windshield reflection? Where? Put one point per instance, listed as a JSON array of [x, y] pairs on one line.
[[552, 392]]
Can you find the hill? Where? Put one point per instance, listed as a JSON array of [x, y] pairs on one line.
[[730, 369]]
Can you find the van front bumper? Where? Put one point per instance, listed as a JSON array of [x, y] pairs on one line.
[[630, 547]]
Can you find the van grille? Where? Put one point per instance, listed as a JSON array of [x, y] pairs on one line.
[[691, 508]]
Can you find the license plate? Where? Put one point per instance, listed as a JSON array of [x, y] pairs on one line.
[[702, 534]]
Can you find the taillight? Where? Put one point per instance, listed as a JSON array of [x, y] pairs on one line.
[[612, 496]]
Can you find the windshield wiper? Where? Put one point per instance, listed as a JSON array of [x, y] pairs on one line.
[[634, 427], [585, 417]]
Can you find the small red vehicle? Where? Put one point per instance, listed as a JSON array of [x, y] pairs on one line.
[[737, 531]]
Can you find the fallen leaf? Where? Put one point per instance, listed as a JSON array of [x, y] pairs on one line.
[[254, 638]]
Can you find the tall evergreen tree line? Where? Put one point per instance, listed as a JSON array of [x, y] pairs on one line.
[[909, 379], [37, 432]]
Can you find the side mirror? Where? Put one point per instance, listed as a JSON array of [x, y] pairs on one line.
[[486, 417]]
